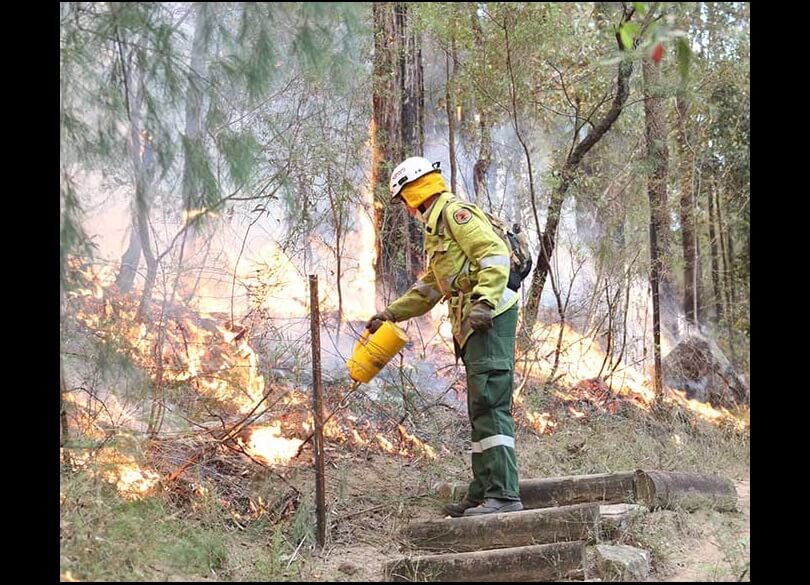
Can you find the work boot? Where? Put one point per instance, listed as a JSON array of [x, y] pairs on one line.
[[493, 506], [456, 509]]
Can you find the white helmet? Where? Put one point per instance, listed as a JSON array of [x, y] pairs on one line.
[[409, 170]]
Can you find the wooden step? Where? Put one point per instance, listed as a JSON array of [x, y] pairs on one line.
[[605, 488], [671, 489], [508, 529], [541, 562]]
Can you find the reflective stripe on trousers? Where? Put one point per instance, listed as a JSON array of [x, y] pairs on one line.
[[493, 441]]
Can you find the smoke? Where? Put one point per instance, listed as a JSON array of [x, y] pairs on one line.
[[576, 268]]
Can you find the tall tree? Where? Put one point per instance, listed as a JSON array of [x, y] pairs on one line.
[[451, 64], [393, 54], [691, 300], [413, 122], [482, 164], [657, 155], [714, 252]]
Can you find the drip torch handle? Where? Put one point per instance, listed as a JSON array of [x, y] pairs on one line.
[[352, 388]]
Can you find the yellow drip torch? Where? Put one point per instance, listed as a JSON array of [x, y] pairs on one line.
[[375, 350]]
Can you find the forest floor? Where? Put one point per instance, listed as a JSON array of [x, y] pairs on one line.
[[372, 495]]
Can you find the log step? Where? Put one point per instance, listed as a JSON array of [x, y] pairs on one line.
[[670, 489], [541, 562], [509, 529], [547, 492]]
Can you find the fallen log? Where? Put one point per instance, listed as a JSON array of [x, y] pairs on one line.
[[690, 491], [509, 529], [541, 562], [606, 488]]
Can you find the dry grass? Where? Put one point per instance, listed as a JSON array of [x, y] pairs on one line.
[[371, 496]]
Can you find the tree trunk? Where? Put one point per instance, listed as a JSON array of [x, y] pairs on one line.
[[732, 311], [615, 519], [413, 131], [658, 155], [338, 219], [390, 219], [725, 236], [130, 260], [481, 166], [142, 205], [193, 190], [606, 488], [715, 255], [143, 167], [687, 212], [451, 108]]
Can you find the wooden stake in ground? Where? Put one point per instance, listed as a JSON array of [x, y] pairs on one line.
[[541, 562], [317, 407], [509, 529], [670, 489]]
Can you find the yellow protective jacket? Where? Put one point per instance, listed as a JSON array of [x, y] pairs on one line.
[[467, 261]]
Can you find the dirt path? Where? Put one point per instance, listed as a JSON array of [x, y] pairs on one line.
[[720, 549]]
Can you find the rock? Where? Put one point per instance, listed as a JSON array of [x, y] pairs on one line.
[[615, 518], [622, 563], [449, 491], [348, 568], [697, 366]]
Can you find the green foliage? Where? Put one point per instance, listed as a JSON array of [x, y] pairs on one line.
[[124, 67], [241, 152], [628, 32], [105, 538], [641, 7]]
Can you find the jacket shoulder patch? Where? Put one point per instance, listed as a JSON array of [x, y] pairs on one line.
[[462, 216]]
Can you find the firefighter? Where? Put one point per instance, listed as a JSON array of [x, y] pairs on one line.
[[469, 266]]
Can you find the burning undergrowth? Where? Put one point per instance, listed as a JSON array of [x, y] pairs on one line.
[[573, 378], [219, 427], [224, 462]]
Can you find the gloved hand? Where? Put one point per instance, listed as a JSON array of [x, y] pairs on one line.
[[480, 316], [377, 320]]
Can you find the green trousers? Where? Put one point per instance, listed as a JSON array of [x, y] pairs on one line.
[[489, 359]]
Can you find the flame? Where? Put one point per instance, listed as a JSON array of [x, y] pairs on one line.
[[194, 213], [385, 444], [266, 444], [217, 360], [132, 481], [576, 413], [707, 411], [542, 423], [427, 450], [581, 361], [358, 276]]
